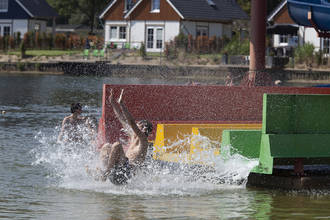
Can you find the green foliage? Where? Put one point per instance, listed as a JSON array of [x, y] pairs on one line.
[[181, 40], [271, 5], [20, 66], [237, 46], [22, 49], [142, 51], [305, 54], [79, 11]]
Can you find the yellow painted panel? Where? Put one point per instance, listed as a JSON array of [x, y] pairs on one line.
[[214, 135], [174, 140]]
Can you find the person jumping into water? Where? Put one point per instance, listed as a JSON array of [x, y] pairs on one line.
[[119, 164], [71, 125]]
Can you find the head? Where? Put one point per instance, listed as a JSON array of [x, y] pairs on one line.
[[76, 108], [145, 126]]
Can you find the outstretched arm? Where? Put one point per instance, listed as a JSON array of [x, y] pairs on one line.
[[129, 118], [117, 109]]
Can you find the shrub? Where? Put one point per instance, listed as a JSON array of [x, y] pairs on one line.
[[305, 54], [142, 51], [22, 49], [181, 40], [20, 66], [237, 47]]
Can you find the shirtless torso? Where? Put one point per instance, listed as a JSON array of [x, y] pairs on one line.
[[115, 160], [71, 130], [72, 126]]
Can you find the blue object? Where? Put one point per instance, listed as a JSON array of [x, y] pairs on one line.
[[322, 86], [298, 10]]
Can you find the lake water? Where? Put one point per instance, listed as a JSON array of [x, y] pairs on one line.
[[40, 179]]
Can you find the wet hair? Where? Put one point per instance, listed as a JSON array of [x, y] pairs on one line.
[[75, 107], [148, 124]]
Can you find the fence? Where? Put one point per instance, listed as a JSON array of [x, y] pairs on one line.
[[36, 40]]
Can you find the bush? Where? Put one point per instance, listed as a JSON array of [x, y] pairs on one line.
[[22, 49], [20, 66], [237, 47], [142, 51], [181, 40], [305, 54]]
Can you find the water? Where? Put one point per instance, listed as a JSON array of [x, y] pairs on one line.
[[40, 179]]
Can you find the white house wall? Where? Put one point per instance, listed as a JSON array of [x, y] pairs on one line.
[[33, 23], [20, 26], [137, 33], [227, 30], [188, 27], [172, 29], [311, 37], [216, 29]]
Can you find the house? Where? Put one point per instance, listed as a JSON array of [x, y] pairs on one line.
[[286, 34], [154, 22], [24, 16]]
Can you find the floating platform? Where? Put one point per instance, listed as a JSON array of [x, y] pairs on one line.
[[316, 177], [280, 128]]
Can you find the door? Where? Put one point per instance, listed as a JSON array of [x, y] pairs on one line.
[[155, 39]]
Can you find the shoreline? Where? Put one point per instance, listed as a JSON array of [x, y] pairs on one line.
[[198, 72]]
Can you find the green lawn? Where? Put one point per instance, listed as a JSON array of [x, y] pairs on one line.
[[46, 52]]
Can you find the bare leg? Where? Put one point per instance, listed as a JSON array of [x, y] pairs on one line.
[[112, 155]]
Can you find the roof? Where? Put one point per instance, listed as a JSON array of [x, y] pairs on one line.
[[276, 10], [198, 10], [37, 8], [111, 3], [219, 10]]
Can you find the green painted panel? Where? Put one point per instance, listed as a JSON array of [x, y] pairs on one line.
[[244, 142], [300, 145], [296, 114]]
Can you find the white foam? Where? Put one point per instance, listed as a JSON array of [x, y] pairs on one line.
[[66, 165]]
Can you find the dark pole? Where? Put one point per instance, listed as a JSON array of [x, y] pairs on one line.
[[257, 38]]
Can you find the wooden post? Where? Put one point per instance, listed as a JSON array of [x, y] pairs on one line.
[[257, 38]]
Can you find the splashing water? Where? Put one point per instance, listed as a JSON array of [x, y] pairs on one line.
[[204, 173]]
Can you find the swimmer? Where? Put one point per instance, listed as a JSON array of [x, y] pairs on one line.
[[71, 125], [3, 112], [117, 163]]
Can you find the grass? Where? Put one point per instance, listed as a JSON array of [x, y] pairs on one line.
[[46, 52]]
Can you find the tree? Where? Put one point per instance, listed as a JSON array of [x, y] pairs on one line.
[[82, 11], [271, 5]]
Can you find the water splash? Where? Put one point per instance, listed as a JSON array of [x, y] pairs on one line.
[[203, 174]]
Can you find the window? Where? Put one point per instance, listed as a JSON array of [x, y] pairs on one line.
[[113, 32], [155, 5], [3, 5], [283, 38], [326, 45], [150, 38], [122, 32], [159, 38], [202, 31], [128, 4], [37, 27], [6, 31], [118, 33]]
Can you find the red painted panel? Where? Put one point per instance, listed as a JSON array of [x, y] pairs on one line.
[[190, 104]]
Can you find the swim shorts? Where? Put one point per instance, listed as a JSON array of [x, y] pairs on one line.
[[120, 174]]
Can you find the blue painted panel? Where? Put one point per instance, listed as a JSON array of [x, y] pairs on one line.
[[320, 9], [15, 11]]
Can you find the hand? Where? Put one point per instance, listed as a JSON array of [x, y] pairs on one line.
[[121, 96], [111, 100]]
